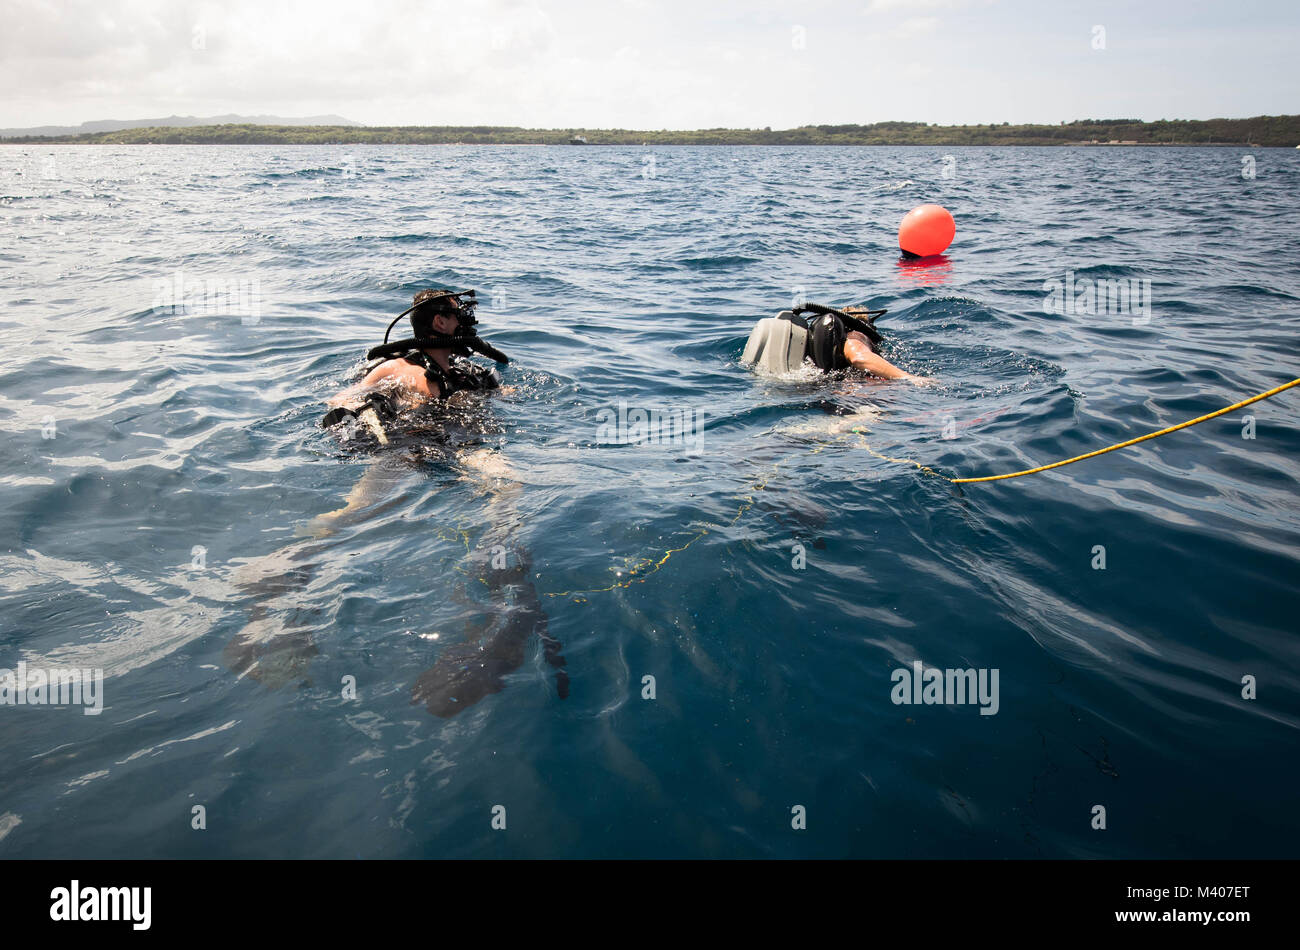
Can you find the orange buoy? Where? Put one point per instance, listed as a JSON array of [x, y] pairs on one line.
[[926, 231]]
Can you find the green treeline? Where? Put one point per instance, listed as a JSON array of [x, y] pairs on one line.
[[1282, 130]]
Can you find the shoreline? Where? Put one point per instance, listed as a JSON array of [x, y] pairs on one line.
[[1258, 132], [213, 142]]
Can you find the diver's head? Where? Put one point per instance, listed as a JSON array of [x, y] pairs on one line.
[[443, 312], [441, 320]]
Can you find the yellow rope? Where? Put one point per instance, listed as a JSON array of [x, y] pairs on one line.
[[646, 566], [888, 458], [1142, 438]]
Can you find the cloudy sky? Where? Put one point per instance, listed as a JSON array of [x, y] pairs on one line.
[[648, 63]]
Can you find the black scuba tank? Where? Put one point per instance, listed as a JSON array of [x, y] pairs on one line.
[[829, 328]]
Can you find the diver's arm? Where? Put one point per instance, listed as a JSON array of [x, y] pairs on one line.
[[860, 355], [355, 395], [406, 374]]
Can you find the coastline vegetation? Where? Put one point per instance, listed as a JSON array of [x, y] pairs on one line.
[[1280, 131]]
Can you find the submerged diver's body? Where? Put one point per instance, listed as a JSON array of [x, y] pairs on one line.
[[429, 369]]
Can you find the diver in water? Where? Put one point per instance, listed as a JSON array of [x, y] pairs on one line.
[[832, 340], [412, 387], [433, 364], [429, 369]]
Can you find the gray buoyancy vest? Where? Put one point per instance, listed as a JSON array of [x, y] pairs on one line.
[[777, 344]]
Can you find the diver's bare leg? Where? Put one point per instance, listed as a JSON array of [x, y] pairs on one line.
[[467, 672], [363, 494], [275, 645], [269, 649]]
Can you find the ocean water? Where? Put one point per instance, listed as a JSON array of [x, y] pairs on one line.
[[731, 574]]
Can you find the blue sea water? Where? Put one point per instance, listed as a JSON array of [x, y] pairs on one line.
[[164, 473]]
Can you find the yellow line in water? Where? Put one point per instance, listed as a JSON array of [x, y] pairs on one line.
[[1119, 445]]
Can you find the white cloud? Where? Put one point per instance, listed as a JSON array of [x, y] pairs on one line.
[[890, 6], [916, 26], [245, 54], [634, 63]]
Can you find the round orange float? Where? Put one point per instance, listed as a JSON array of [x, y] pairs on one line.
[[926, 231]]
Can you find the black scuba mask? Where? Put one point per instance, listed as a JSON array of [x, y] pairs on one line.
[[460, 304]]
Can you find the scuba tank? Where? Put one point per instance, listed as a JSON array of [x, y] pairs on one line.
[[782, 343], [777, 345]]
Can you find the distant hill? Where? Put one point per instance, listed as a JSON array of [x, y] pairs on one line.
[[1265, 130], [174, 122]]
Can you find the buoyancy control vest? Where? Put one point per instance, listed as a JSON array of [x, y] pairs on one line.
[[781, 344], [464, 375]]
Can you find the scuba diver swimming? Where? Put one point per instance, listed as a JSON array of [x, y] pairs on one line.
[[834, 340], [421, 385], [424, 393], [432, 364], [422, 397]]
